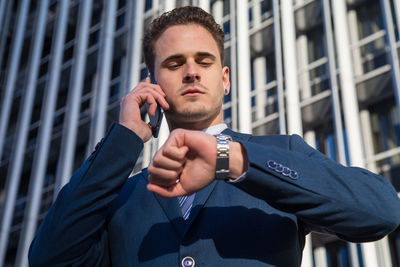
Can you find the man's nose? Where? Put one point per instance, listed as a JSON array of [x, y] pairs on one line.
[[192, 75]]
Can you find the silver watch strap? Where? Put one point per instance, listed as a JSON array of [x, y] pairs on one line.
[[222, 167]]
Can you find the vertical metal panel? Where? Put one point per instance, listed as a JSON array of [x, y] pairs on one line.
[[5, 22], [71, 122], [104, 71], [394, 56], [66, 160], [243, 64], [290, 66], [2, 11], [11, 78], [11, 185], [278, 67], [44, 136], [30, 212]]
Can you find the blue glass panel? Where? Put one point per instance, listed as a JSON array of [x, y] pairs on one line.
[[360, 257], [227, 113], [346, 147], [344, 257], [331, 146], [149, 5]]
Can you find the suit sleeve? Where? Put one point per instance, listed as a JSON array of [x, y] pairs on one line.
[[352, 203], [73, 232]]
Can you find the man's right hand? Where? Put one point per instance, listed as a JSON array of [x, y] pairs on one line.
[[129, 114]]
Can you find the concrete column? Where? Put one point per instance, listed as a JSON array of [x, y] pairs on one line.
[[396, 5], [350, 103], [233, 70], [304, 76], [337, 114], [394, 56], [290, 66], [169, 5], [104, 71], [71, 122], [307, 261], [320, 257], [259, 66], [217, 11], [135, 45], [349, 97], [13, 65], [205, 5], [354, 38], [243, 64], [278, 67], [368, 139]]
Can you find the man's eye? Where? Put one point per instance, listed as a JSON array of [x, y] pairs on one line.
[[205, 63], [174, 66]]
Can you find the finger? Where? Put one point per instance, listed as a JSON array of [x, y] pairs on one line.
[[160, 98], [160, 161], [175, 153], [161, 176], [148, 79], [175, 190]]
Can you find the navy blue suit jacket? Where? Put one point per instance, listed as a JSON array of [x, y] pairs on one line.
[[103, 218]]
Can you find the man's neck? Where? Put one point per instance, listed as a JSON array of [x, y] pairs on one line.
[[197, 125]]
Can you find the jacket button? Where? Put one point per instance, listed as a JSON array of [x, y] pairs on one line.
[[286, 171], [293, 175], [188, 262], [279, 168], [271, 164]]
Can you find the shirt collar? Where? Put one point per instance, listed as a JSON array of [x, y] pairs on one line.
[[215, 129]]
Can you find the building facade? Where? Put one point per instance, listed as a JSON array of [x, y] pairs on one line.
[[327, 70]]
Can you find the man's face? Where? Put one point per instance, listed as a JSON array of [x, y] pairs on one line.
[[188, 68]]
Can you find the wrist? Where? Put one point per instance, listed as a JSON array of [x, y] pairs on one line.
[[142, 134], [238, 162]]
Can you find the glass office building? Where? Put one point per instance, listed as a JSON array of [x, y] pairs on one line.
[[327, 70]]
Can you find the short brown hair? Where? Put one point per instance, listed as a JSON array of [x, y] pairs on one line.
[[180, 16]]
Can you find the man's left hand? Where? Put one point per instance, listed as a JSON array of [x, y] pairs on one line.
[[186, 163]]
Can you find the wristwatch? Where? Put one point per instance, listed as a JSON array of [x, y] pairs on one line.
[[222, 167]]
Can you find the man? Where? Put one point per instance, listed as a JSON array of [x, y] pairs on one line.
[[276, 189]]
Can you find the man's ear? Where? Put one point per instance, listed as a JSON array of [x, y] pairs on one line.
[[225, 79]]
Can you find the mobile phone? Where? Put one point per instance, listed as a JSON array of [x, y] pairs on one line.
[[155, 121]]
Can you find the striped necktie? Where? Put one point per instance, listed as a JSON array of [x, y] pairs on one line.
[[185, 203]]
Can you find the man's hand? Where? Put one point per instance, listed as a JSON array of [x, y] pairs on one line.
[[186, 163], [129, 115]]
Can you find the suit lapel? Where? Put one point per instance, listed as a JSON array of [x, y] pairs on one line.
[[199, 200], [171, 209]]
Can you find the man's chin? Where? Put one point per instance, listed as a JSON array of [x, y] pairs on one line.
[[190, 114]]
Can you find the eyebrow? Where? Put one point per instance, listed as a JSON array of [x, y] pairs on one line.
[[180, 56]]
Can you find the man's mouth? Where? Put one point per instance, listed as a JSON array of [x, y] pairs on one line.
[[192, 92]]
